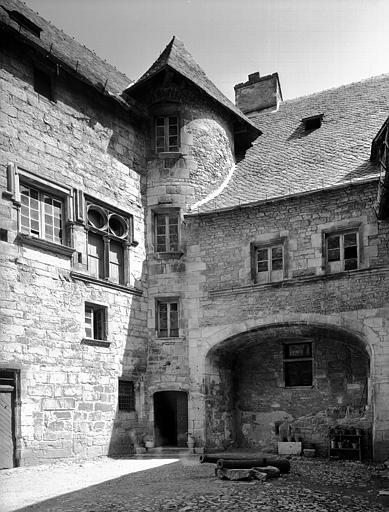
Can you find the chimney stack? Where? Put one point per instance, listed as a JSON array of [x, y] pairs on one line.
[[258, 93]]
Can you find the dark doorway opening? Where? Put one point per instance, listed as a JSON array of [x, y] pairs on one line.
[[9, 391], [171, 418]]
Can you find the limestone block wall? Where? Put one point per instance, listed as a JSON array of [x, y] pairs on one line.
[[231, 304], [69, 389], [339, 392], [207, 157]]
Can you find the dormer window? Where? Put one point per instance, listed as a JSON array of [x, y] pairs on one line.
[[24, 22], [312, 122], [167, 134]]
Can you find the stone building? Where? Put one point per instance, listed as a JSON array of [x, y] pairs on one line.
[[173, 263]]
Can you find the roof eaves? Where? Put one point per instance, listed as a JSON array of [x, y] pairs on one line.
[[241, 118], [136, 109], [276, 199], [378, 139]]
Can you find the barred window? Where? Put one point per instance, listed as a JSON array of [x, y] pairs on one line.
[[41, 214], [126, 396]]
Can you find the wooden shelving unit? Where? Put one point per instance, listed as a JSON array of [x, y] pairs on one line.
[[345, 446]]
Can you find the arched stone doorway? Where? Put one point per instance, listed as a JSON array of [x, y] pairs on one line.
[[170, 418], [308, 376]]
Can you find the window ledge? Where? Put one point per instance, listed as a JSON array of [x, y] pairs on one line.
[[102, 282], [170, 154], [33, 241], [174, 255], [298, 388], [176, 338], [95, 343]]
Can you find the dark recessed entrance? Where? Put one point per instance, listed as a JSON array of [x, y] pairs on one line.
[[171, 418]]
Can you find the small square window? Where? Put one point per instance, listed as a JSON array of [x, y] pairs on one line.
[[342, 251], [126, 396], [298, 364], [168, 318], [268, 263], [95, 322], [43, 84]]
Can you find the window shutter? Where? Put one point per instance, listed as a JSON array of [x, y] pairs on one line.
[[253, 262], [79, 206], [11, 179]]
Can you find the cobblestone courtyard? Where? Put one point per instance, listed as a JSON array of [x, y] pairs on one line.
[[313, 485]]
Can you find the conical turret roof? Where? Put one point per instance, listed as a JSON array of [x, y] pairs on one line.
[[175, 56]]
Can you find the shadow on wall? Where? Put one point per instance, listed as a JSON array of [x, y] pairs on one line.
[[130, 425], [248, 394]]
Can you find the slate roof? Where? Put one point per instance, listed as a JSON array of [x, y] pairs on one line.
[[59, 46], [287, 160], [177, 57]]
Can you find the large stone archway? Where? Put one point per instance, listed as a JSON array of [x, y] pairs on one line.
[[247, 395]]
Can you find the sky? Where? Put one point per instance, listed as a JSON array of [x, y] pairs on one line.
[[312, 44]]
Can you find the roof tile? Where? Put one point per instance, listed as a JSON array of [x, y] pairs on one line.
[[287, 160]]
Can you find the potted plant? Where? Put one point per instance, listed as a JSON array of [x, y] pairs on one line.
[[149, 441], [137, 439], [191, 440]]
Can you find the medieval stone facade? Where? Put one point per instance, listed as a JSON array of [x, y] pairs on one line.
[[170, 264]]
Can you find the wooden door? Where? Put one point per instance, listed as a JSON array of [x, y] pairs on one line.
[[6, 431]]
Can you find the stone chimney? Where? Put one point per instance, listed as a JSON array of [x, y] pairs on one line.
[[258, 93]]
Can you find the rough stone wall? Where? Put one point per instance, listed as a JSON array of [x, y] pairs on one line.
[[263, 403], [68, 389], [230, 303]]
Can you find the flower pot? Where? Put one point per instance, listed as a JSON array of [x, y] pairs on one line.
[[140, 449], [191, 442]]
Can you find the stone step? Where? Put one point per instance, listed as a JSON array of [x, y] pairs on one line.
[[169, 450]]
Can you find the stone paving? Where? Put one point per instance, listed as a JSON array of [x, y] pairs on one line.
[[313, 485]]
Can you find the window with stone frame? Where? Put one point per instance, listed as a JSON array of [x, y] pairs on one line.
[[268, 263], [41, 214], [298, 363], [126, 395], [44, 210], [95, 322], [166, 236], [167, 318], [167, 133], [108, 238], [342, 251]]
